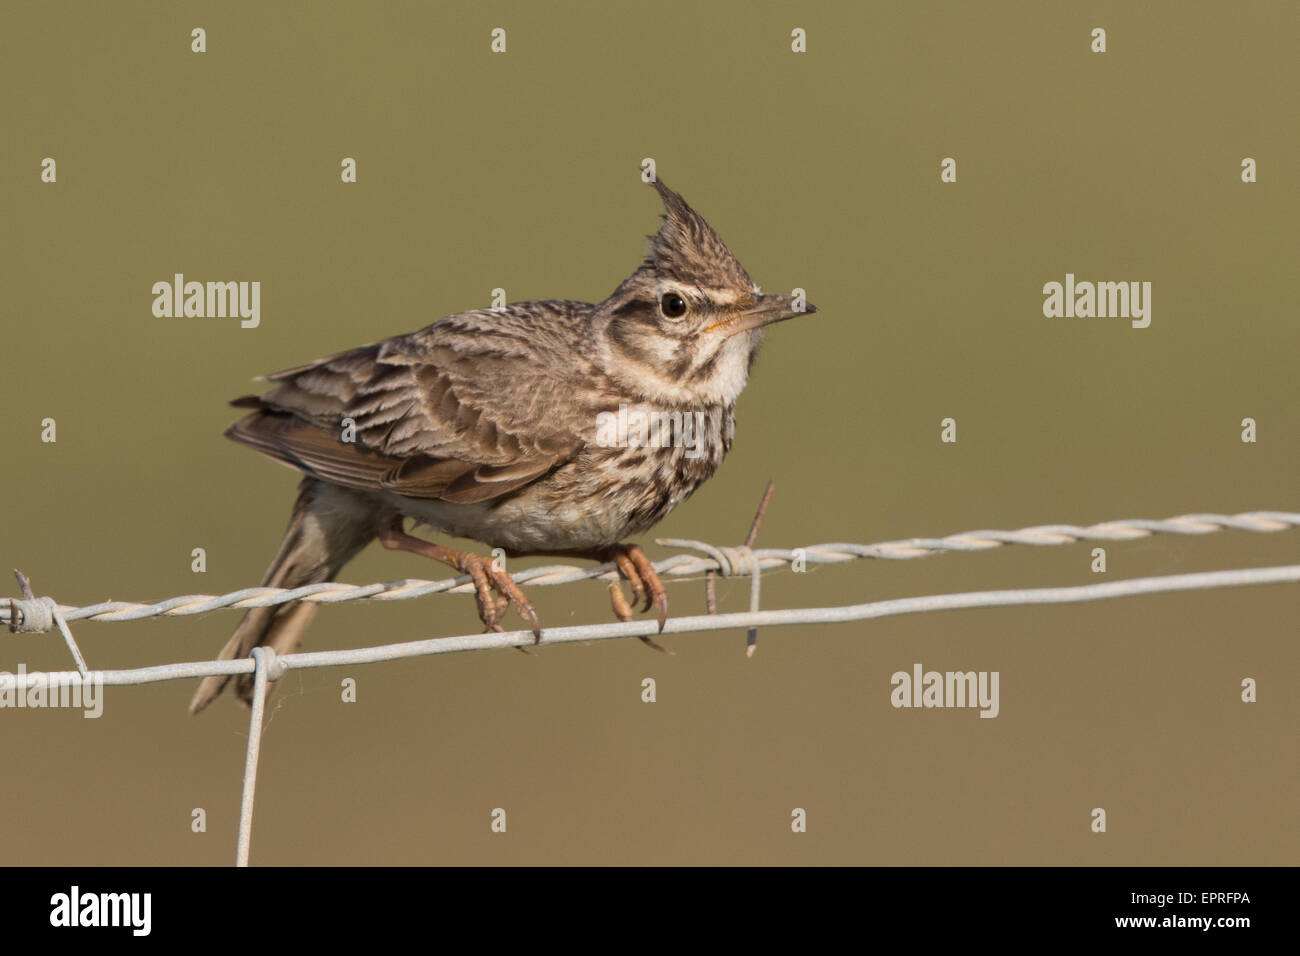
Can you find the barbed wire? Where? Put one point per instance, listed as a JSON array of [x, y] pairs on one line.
[[31, 614], [35, 615], [580, 633]]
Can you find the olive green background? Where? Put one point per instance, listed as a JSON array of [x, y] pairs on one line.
[[821, 170]]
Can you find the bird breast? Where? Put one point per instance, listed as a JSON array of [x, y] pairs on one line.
[[621, 484]]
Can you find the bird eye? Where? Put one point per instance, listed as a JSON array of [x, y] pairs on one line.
[[673, 305]]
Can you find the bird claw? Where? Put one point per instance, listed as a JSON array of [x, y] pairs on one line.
[[489, 578], [657, 594], [647, 589]]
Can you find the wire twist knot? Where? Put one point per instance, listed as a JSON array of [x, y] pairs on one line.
[[31, 615], [735, 561], [274, 664]]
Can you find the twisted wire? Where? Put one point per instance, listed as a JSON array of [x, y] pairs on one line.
[[27, 615]]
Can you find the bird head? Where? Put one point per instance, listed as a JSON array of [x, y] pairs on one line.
[[685, 326]]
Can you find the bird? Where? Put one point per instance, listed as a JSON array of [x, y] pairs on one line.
[[514, 427]]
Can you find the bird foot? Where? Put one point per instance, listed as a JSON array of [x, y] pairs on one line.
[[646, 587], [487, 578]]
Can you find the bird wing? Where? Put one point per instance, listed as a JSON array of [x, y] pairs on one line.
[[465, 410]]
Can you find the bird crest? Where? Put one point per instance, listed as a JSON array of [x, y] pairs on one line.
[[687, 249]]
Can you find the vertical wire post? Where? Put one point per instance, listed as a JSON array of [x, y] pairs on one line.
[[260, 655]]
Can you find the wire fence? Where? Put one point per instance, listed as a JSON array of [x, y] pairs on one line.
[[32, 614]]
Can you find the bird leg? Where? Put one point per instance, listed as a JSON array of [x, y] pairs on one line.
[[486, 577]]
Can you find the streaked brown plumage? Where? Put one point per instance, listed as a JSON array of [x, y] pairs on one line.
[[484, 425]]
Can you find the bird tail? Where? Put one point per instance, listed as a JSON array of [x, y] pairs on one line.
[[328, 527]]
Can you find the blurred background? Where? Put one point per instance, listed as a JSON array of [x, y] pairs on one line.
[[821, 170]]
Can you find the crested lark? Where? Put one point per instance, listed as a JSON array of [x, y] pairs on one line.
[[485, 425]]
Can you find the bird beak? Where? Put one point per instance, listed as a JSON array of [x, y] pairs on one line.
[[767, 309]]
